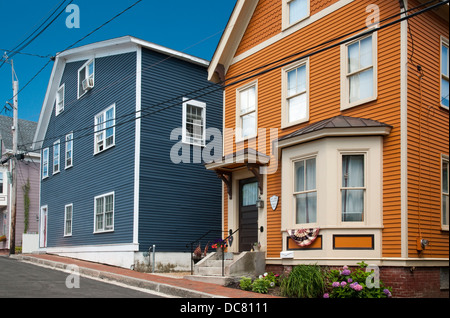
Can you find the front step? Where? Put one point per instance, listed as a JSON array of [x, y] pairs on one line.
[[235, 266]]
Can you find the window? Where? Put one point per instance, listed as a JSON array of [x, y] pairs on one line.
[[305, 192], [45, 163], [104, 129], [359, 72], [60, 100], [104, 213], [353, 188], [445, 201], [69, 150], [194, 121], [56, 157], [444, 73], [247, 104], [85, 78], [68, 215], [294, 11], [295, 100], [1, 182]]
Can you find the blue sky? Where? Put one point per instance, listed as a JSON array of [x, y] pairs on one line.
[[191, 26]]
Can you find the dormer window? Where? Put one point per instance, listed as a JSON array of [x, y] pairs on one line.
[[60, 100], [85, 78]]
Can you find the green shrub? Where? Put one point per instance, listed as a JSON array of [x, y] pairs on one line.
[[245, 283], [261, 285], [304, 281]]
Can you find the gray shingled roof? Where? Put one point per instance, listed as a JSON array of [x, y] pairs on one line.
[[336, 122], [26, 133]]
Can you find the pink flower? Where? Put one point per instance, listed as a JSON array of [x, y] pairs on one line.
[[343, 283], [326, 295], [335, 284]]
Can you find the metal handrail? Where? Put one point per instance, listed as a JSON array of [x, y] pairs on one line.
[[191, 244]]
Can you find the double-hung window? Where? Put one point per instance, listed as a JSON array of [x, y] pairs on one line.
[[359, 71], [305, 191], [353, 188], [444, 193], [104, 129], [194, 121], [86, 78], [295, 101], [45, 163], [247, 108], [60, 100], [69, 150], [294, 11], [56, 157], [68, 216], [444, 72], [104, 213]]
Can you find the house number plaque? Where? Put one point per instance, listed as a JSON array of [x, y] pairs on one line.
[[274, 202]]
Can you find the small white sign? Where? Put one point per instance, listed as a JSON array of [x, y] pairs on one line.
[[274, 202], [287, 254]]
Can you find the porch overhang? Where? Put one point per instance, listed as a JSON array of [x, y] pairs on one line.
[[247, 158]]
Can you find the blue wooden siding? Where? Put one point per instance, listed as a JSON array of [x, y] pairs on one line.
[[93, 175], [178, 202]]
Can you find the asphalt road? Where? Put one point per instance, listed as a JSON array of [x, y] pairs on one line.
[[23, 280]]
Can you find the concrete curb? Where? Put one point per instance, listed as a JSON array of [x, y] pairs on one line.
[[165, 289]]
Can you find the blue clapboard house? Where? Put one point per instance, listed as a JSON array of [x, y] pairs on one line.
[[116, 116]]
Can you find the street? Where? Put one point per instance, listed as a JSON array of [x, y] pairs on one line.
[[22, 280]]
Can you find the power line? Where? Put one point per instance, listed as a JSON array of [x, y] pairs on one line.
[[146, 111], [20, 47], [255, 69], [52, 58]]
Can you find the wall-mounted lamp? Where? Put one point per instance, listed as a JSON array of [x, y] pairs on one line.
[[259, 203]]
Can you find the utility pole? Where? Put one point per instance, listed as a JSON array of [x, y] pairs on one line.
[[14, 129]]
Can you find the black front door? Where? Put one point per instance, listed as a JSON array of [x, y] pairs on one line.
[[248, 214]]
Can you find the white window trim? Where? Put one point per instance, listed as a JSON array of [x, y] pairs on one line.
[[345, 104], [58, 145], [59, 110], [45, 161], [104, 219], [65, 220], [284, 104], [186, 102], [444, 41], [444, 158], [366, 182], [70, 135], [285, 15], [328, 180], [293, 161], [239, 130], [86, 70], [97, 132]]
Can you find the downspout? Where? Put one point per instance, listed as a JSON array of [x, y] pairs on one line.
[[404, 130]]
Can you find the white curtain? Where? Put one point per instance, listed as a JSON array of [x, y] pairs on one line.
[[306, 203], [249, 194], [297, 9], [352, 177]]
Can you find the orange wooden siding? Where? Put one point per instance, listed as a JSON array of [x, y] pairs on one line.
[[428, 136], [325, 102]]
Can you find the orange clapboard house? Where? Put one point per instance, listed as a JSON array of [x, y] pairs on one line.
[[336, 132]]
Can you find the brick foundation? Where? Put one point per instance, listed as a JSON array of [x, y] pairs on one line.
[[406, 282]]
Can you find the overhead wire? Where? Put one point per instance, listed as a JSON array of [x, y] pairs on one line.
[[146, 111], [21, 46]]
